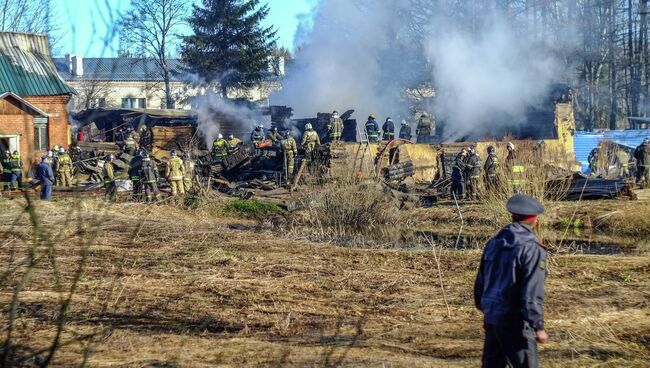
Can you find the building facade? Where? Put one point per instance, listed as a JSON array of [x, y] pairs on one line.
[[33, 98], [138, 83]]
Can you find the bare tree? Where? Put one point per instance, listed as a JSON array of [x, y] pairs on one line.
[[33, 16], [90, 91], [152, 28]]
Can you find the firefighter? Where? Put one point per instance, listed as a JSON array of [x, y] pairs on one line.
[[64, 169], [174, 173], [593, 160], [424, 128], [219, 148], [146, 138], [6, 170], [516, 168], [290, 150], [509, 289], [491, 168], [388, 130], [232, 142], [45, 177], [134, 174], [472, 173], [16, 165], [109, 178], [149, 177], [642, 162], [372, 129], [335, 127], [188, 174], [274, 136], [131, 145], [257, 135], [622, 161], [457, 175], [310, 141], [405, 131]]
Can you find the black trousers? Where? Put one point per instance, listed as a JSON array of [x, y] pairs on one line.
[[509, 343]]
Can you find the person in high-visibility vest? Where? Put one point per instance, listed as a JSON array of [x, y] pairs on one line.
[[372, 129], [389, 130], [290, 150], [335, 127], [16, 164], [188, 174], [109, 178], [310, 141], [472, 173], [64, 168], [424, 129], [517, 169], [175, 172], [219, 148]]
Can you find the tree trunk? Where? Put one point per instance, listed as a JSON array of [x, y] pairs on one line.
[[613, 106], [224, 89], [169, 101]]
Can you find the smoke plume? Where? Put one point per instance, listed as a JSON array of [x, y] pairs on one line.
[[216, 115], [365, 54]]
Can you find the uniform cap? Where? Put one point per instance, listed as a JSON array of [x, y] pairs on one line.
[[372, 116], [524, 205], [219, 136]]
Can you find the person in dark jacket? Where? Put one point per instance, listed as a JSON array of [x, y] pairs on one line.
[[6, 171], [45, 177], [458, 175], [372, 129], [149, 177], [472, 173], [491, 168], [642, 156], [509, 289], [405, 131], [389, 130]]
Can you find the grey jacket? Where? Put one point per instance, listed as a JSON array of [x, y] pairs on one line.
[[510, 280]]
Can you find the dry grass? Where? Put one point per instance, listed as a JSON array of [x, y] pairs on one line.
[[172, 287]]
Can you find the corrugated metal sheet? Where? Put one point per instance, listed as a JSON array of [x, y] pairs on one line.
[[26, 66], [584, 142]]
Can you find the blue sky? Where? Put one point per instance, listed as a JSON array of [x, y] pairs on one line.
[[89, 25]]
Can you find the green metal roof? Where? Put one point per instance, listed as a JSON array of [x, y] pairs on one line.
[[26, 66]]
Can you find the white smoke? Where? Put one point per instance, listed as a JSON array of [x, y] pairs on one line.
[[362, 55], [338, 67], [217, 115], [488, 78]]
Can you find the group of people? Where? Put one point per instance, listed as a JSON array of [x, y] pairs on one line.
[[602, 161], [424, 130], [55, 168], [468, 168], [145, 175], [285, 141]]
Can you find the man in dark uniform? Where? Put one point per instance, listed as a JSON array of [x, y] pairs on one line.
[[372, 129], [389, 130], [491, 170], [458, 175], [405, 131], [472, 173], [509, 289]]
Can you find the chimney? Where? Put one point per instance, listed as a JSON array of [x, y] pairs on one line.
[[68, 61], [77, 65]]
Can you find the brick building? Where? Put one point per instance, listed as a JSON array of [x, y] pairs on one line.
[[33, 98]]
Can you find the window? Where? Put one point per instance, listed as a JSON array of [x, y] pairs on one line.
[[97, 102], [134, 103], [40, 134]]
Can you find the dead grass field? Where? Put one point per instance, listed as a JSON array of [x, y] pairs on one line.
[[169, 287]]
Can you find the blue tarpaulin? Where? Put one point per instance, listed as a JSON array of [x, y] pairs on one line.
[[584, 142]]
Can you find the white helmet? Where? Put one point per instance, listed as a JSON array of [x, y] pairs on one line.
[[61, 150], [308, 126], [219, 136], [50, 154], [261, 126], [511, 146]]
